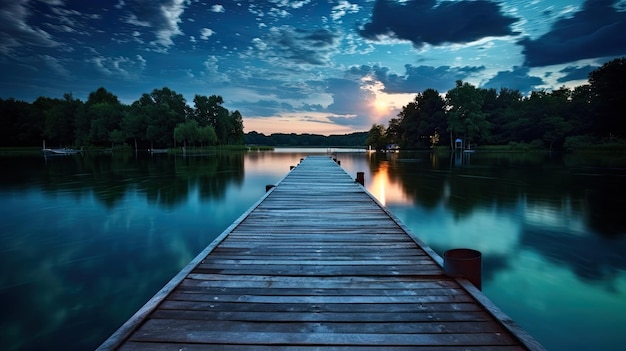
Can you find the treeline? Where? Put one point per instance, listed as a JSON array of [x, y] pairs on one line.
[[593, 113], [306, 140], [159, 119]]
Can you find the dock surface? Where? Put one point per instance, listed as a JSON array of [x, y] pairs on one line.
[[318, 264]]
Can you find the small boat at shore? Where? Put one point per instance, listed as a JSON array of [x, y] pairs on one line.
[[62, 151], [58, 151]]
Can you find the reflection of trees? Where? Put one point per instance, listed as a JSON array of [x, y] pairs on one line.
[[166, 180], [484, 180], [552, 193], [59, 285]]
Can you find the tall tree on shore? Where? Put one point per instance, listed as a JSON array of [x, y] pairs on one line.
[[608, 89], [236, 128], [423, 120], [101, 115], [466, 118], [376, 137], [60, 118], [163, 110]]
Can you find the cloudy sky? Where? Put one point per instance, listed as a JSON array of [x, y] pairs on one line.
[[325, 66]]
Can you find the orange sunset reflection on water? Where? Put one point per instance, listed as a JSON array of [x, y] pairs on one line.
[[386, 190]]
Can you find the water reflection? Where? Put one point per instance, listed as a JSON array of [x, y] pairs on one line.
[[386, 189], [86, 240], [549, 229], [164, 180]]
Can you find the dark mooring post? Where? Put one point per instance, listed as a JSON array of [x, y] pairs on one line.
[[464, 263], [269, 187], [360, 178]]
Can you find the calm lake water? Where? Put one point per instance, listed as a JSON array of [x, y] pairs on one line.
[[86, 240]]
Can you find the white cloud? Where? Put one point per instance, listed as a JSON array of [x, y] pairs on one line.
[[212, 71], [291, 4], [56, 65], [120, 66], [280, 13], [344, 7], [15, 31], [172, 13], [205, 33], [132, 19], [218, 8]]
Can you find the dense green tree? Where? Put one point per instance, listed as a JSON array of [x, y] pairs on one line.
[[135, 124], [466, 118], [581, 110], [394, 131], [202, 110], [423, 121], [187, 132], [21, 124], [60, 118], [117, 136], [236, 128], [502, 108], [228, 127], [163, 109], [376, 137], [101, 114], [608, 91], [207, 136]]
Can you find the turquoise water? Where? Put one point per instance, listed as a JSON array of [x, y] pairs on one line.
[[86, 240]]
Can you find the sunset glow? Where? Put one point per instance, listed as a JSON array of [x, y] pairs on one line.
[[386, 190]]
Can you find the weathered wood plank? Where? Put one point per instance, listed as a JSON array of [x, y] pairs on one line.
[[143, 346], [320, 338], [182, 326], [202, 302], [335, 282]]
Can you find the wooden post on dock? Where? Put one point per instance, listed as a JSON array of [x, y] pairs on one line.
[[360, 178], [464, 263]]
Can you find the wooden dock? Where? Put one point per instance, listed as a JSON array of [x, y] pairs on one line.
[[318, 264]]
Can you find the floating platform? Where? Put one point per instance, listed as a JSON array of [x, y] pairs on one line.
[[318, 264]]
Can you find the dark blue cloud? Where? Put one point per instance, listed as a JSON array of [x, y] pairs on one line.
[[598, 30], [347, 95], [576, 73], [417, 78], [295, 46], [517, 79], [263, 108], [437, 23], [351, 104]]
